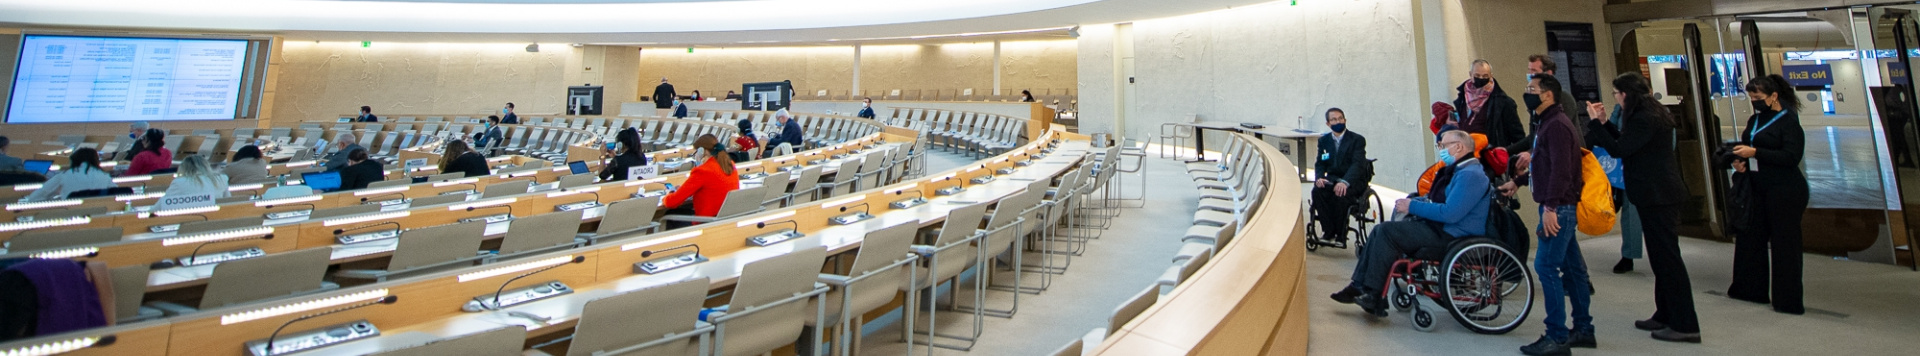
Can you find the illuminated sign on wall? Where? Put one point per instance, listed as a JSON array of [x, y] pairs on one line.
[[1810, 75]]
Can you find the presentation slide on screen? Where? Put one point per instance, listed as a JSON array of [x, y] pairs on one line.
[[105, 79]]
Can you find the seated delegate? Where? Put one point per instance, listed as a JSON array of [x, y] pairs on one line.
[[360, 171], [614, 166], [460, 158], [708, 184], [196, 185], [1341, 171], [248, 166], [155, 155], [82, 174], [1458, 209]]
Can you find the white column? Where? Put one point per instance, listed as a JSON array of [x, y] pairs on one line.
[[996, 66], [855, 93]]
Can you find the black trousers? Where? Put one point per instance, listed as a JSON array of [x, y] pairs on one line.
[[1388, 242], [1775, 237], [1330, 210], [1672, 290]]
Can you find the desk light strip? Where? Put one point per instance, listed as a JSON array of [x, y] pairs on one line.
[[303, 199], [43, 204], [217, 236], [632, 246], [302, 307], [482, 204], [515, 268], [66, 253], [764, 219], [37, 224], [53, 348], [366, 218]]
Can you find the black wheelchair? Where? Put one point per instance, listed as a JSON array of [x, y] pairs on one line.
[[1366, 209], [1480, 281]]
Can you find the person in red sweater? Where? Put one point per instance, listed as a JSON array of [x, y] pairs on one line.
[[709, 182], [153, 156]]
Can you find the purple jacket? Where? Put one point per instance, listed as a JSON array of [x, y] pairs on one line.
[[1555, 173]]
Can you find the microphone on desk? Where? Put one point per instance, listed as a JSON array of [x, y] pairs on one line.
[[309, 207], [396, 225], [503, 286], [763, 225], [862, 205], [196, 249], [509, 208], [916, 192], [650, 253], [283, 326]]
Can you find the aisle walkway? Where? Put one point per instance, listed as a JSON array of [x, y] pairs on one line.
[[1128, 257]]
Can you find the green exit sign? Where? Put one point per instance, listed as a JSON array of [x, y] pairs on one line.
[[365, 44]]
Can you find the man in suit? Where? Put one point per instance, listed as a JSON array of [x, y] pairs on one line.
[[508, 117], [344, 141], [9, 163], [790, 134], [1341, 171], [679, 109], [366, 115], [866, 108], [663, 96], [489, 136]]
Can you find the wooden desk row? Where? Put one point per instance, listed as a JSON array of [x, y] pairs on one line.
[[1250, 299], [429, 306]]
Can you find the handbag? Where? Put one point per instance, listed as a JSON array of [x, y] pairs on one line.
[[1739, 202]]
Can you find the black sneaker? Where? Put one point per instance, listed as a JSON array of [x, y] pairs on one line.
[[1346, 296], [1582, 338], [1545, 346], [1649, 325], [1625, 265]]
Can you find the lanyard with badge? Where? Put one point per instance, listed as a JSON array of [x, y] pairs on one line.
[[1753, 163]]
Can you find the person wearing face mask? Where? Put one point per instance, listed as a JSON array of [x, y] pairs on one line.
[[1540, 64], [707, 186], [366, 115], [1340, 169], [1484, 108], [1644, 140], [615, 166], [507, 116], [1458, 209], [1555, 174], [866, 108], [1770, 151], [679, 109], [133, 132], [489, 136]]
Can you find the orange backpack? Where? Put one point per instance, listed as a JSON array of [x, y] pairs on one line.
[[1595, 215]]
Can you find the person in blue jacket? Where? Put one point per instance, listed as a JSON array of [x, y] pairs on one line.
[[1455, 211]]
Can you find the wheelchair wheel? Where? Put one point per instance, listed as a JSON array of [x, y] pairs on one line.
[[1402, 295], [1313, 235], [1488, 289], [1423, 320]]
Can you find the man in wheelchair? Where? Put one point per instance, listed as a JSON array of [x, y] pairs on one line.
[[1457, 209], [1342, 173]]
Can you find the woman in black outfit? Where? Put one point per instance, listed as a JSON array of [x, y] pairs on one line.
[[1774, 141], [630, 156], [460, 158], [1643, 140]]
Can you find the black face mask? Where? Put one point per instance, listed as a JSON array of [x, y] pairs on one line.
[[1481, 82], [1760, 105], [1533, 101]]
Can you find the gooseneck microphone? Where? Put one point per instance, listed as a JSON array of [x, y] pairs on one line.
[[916, 192], [649, 253], [763, 225], [337, 232], [403, 195], [196, 249], [503, 286], [509, 208], [283, 326], [862, 205]]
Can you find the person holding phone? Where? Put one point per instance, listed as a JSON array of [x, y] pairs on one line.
[[616, 160]]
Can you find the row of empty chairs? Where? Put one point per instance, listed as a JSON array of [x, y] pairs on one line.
[[977, 134]]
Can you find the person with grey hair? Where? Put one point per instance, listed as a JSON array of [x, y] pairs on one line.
[[1485, 108], [133, 132], [790, 134], [1456, 210], [197, 184], [663, 95], [345, 142]]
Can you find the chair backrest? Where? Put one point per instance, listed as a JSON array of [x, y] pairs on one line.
[[762, 283], [286, 192], [389, 183], [640, 316], [446, 176], [273, 275], [1133, 307], [217, 225], [436, 244], [576, 180], [506, 188], [741, 201], [67, 213], [627, 215], [129, 286], [437, 200], [35, 240], [541, 231], [501, 341], [877, 250]]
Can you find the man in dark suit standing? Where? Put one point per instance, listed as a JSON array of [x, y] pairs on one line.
[[366, 115], [663, 96], [1341, 171]]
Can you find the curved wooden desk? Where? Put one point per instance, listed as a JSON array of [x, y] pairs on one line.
[[1249, 300]]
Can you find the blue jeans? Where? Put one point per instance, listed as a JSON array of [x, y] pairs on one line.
[[1630, 231], [1563, 274]]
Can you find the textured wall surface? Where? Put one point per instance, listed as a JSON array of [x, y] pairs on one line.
[[952, 66], [321, 80], [1274, 64]]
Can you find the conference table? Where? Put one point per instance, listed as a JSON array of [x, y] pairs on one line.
[[1298, 136], [562, 312], [189, 276]]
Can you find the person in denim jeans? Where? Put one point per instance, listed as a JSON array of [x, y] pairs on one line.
[[1555, 176]]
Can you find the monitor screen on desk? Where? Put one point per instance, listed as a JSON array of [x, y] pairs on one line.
[[577, 167], [40, 166], [321, 181]]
